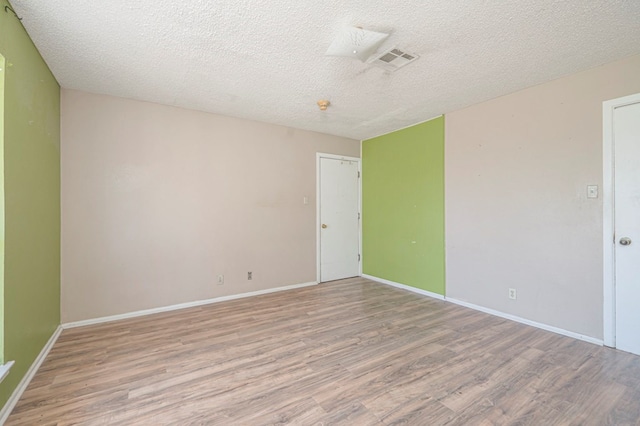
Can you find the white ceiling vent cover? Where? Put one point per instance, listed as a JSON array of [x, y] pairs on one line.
[[393, 59]]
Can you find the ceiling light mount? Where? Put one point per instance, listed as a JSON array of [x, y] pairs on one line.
[[356, 42], [323, 104]]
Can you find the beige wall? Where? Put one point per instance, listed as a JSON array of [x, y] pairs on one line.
[[517, 214], [157, 201]]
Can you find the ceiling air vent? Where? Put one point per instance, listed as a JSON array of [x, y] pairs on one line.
[[393, 59]]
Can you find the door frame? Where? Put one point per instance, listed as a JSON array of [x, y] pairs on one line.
[[608, 225], [320, 155]]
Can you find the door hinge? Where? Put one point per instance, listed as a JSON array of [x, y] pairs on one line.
[[358, 215], [358, 257], [358, 174]]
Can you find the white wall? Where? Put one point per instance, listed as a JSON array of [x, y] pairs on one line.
[[157, 201], [517, 215]]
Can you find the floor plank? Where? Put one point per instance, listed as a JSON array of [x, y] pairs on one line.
[[348, 352]]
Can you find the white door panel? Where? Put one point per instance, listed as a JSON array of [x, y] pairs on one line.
[[339, 208], [626, 127]]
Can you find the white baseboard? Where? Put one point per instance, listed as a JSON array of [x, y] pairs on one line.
[[527, 322], [182, 306], [22, 386], [490, 311], [404, 287]]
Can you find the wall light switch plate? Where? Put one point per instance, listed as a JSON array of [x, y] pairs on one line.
[[592, 191]]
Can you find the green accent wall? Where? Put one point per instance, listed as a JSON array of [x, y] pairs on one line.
[[31, 201], [2, 68], [403, 206]]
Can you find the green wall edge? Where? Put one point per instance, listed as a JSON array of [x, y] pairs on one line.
[[32, 201], [403, 206]]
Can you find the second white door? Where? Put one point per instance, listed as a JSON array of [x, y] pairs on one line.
[[339, 218], [626, 134]]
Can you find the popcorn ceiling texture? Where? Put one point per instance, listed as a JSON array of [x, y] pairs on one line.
[[264, 59]]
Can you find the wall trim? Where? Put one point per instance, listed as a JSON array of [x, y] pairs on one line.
[[608, 229], [488, 311], [404, 287], [22, 386], [193, 304], [527, 322]]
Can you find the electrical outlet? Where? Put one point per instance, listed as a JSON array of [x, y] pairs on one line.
[[220, 279], [249, 275], [512, 294]]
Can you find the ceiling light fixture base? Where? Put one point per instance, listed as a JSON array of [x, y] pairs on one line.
[[323, 104], [356, 43]]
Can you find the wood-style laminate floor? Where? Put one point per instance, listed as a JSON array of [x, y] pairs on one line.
[[349, 352]]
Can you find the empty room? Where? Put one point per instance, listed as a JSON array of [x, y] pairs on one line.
[[314, 213]]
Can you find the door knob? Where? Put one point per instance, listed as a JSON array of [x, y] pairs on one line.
[[625, 241], [324, 226]]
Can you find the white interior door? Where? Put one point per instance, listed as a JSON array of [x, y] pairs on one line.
[[339, 216], [626, 142]]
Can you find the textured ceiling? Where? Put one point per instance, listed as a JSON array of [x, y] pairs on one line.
[[264, 59]]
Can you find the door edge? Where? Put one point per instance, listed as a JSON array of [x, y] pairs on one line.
[[608, 225]]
